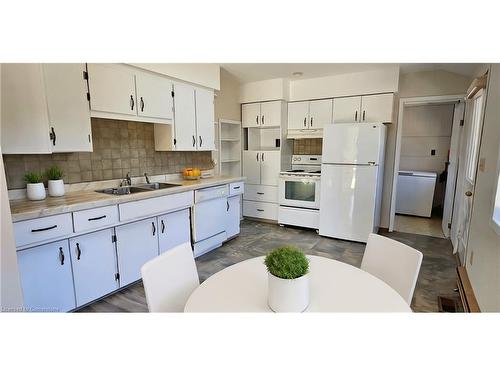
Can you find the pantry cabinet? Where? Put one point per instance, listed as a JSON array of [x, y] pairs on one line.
[[261, 167], [265, 114], [46, 278], [250, 115], [93, 257], [368, 108]]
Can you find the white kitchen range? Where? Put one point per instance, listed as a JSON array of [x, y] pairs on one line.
[[299, 192]]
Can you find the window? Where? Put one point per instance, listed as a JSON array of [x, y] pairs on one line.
[[473, 147]]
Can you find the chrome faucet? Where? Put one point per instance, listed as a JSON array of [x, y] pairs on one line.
[[127, 181], [147, 178]]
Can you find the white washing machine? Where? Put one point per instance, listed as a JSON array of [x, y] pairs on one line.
[[415, 193]]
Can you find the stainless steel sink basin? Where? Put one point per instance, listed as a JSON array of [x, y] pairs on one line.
[[124, 190], [156, 186]]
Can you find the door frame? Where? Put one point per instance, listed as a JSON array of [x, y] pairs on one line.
[[421, 100]]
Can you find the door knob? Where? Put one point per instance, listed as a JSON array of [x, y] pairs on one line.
[[468, 193]]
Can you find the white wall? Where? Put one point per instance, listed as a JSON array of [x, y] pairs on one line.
[[227, 104], [11, 295], [207, 75], [270, 89], [484, 242], [432, 83]]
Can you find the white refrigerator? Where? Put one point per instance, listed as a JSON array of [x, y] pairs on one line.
[[351, 180]]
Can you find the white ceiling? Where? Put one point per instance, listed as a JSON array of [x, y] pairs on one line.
[[261, 71]]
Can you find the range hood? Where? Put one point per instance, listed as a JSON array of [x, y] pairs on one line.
[[304, 133]]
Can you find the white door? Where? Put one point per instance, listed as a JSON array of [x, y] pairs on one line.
[[298, 113], [251, 166], [347, 109], [46, 278], [184, 117], [205, 127], [69, 112], [449, 197], [270, 114], [136, 243], [209, 218], [377, 108], [233, 210], [174, 230], [270, 168], [320, 113], [112, 89], [93, 257], [250, 115], [154, 96], [25, 122]]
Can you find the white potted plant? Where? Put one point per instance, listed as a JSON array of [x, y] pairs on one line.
[[35, 190], [288, 279], [56, 184]]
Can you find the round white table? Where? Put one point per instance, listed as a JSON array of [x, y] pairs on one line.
[[334, 287]]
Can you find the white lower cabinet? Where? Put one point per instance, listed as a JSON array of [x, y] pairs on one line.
[[233, 211], [136, 243], [93, 257], [46, 278], [174, 230]]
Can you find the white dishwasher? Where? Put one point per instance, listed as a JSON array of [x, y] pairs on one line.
[[415, 193], [209, 218]]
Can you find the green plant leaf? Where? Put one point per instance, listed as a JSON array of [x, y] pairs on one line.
[[32, 178], [54, 173], [287, 262]]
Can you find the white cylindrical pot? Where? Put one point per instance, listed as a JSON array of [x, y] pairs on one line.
[[288, 295], [35, 192], [56, 188]]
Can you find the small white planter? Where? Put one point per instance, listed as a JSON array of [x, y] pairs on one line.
[[35, 192], [56, 188], [288, 295]]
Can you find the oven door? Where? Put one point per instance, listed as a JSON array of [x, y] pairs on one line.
[[299, 191]]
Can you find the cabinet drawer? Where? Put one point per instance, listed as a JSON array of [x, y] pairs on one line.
[[236, 188], [155, 206], [261, 210], [95, 218], [207, 194], [261, 193], [43, 229]]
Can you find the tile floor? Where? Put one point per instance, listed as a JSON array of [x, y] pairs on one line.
[[437, 275], [419, 225]]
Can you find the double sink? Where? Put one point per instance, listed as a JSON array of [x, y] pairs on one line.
[[124, 190]]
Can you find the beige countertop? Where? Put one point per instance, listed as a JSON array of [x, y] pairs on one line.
[[24, 209]]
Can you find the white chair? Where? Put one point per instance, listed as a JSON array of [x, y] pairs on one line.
[[169, 279], [393, 262]]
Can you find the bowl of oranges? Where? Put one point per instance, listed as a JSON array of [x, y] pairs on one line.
[[191, 173]]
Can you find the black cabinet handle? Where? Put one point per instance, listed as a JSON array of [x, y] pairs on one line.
[[154, 228], [257, 156], [194, 141], [142, 104], [311, 122], [364, 115], [43, 229], [262, 120], [356, 116], [162, 227], [61, 256], [132, 103], [260, 210], [236, 187], [305, 121], [227, 209], [262, 157], [201, 141], [260, 193], [257, 119], [52, 136], [96, 218], [78, 251]]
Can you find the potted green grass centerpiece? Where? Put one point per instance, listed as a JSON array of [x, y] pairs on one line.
[[56, 184], [288, 280], [35, 190]]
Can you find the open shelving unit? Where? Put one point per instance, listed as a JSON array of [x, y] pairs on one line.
[[230, 148]]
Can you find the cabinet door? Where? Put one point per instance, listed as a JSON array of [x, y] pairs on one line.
[[270, 168], [69, 112], [184, 117], [46, 277], [377, 108], [320, 113], [154, 96], [347, 109], [112, 89], [93, 257], [233, 211], [251, 166], [298, 113], [25, 122], [270, 114], [250, 115], [205, 127], [136, 243], [175, 229]]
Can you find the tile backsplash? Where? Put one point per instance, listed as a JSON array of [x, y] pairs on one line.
[[119, 147], [312, 146]]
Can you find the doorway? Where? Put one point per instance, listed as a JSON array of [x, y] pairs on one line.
[[425, 167]]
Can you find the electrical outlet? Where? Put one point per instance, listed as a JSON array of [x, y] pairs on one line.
[[433, 152]]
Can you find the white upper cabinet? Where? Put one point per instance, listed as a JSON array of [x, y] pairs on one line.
[[205, 127], [112, 89], [270, 114], [154, 96], [298, 113], [320, 113], [307, 119], [184, 117], [347, 109], [68, 106], [377, 108], [250, 115]]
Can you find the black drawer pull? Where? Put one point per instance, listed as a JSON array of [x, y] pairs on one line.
[[43, 229], [260, 193], [61, 256], [97, 218], [260, 210], [236, 187]]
